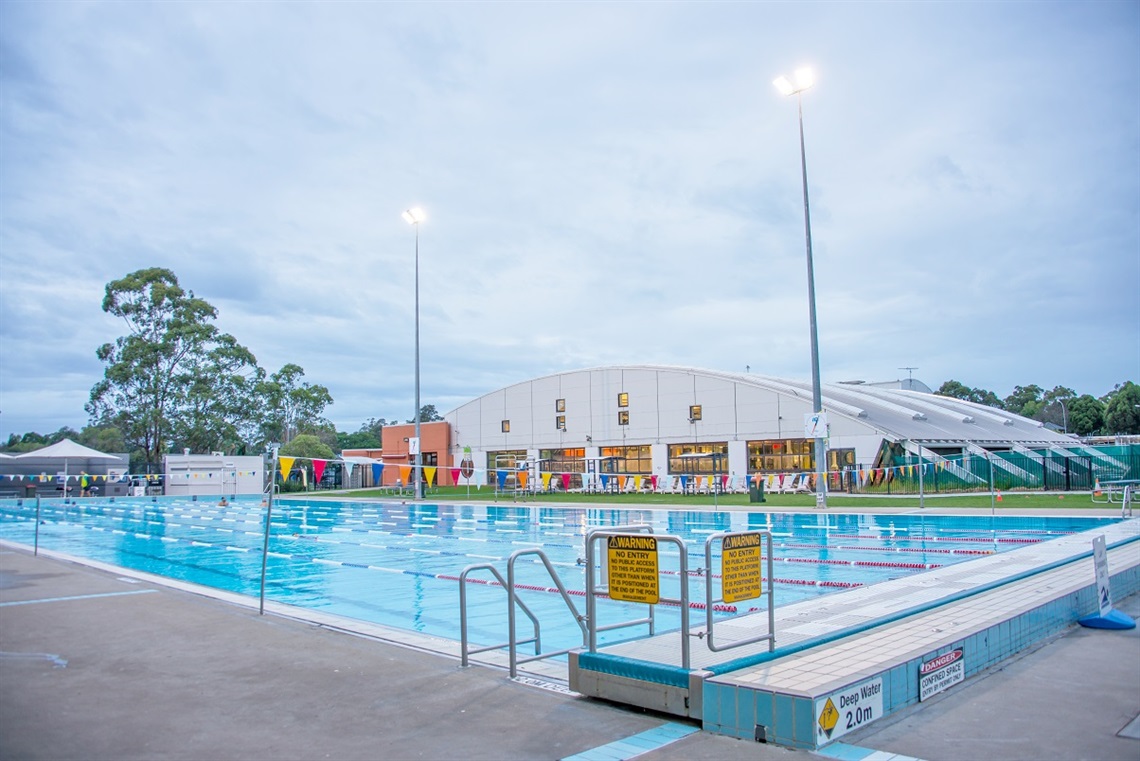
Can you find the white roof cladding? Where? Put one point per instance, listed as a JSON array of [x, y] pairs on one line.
[[895, 414]]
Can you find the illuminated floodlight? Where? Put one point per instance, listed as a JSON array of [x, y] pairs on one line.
[[804, 80], [414, 215]]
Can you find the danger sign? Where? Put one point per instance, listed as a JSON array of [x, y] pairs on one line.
[[740, 567], [632, 560]]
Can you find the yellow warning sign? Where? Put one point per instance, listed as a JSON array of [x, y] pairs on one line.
[[828, 717], [740, 567], [632, 560]]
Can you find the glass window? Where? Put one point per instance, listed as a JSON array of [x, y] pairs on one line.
[[694, 412], [623, 417], [791, 456], [559, 405], [506, 426], [560, 422], [698, 459], [563, 461], [504, 460], [633, 459], [623, 399]]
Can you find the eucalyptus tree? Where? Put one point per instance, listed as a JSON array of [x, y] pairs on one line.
[[165, 361], [291, 406], [219, 403]]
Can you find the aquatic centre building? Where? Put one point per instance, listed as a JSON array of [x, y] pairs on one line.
[[664, 422]]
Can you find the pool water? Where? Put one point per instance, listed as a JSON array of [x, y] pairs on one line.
[[398, 564]]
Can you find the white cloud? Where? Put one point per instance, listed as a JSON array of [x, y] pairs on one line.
[[605, 183]]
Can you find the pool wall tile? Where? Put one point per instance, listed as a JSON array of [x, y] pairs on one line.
[[765, 708], [804, 727], [784, 725], [746, 708]]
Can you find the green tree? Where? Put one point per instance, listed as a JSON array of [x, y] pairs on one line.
[[292, 406], [307, 446], [1055, 407], [65, 432], [143, 389], [1025, 401], [957, 390], [105, 438], [218, 398], [1122, 409], [358, 440], [428, 414], [1086, 415]]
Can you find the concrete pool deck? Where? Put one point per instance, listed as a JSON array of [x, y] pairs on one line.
[[97, 664]]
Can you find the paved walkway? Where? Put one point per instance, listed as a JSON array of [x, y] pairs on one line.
[[98, 665]]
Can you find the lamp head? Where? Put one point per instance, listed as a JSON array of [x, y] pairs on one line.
[[414, 215], [803, 80]]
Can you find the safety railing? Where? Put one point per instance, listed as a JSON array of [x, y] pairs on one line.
[[594, 588], [466, 651], [513, 601], [740, 579]]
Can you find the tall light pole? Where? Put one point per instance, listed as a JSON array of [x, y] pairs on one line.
[[413, 217], [804, 80]]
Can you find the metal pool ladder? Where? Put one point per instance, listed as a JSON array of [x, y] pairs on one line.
[[512, 601]]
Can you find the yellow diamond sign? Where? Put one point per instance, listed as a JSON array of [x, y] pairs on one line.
[[828, 717]]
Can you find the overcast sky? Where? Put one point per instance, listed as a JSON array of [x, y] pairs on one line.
[[606, 183]]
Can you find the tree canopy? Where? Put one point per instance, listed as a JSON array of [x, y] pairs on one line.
[[175, 380]]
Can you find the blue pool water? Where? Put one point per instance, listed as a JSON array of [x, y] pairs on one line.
[[397, 564]]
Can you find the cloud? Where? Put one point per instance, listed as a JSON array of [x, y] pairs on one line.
[[606, 183]]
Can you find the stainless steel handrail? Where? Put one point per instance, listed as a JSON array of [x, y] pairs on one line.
[[710, 601], [591, 588], [512, 598], [465, 650]]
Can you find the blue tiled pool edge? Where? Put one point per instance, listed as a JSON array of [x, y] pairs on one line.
[[789, 720]]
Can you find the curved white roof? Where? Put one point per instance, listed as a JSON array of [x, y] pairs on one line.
[[896, 414]]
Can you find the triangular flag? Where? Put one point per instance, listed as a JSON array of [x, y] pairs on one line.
[[405, 473], [430, 473], [455, 476], [522, 475], [377, 473], [605, 481], [319, 469], [684, 483], [565, 482], [502, 476], [621, 483], [546, 481], [286, 466], [637, 483], [653, 480]]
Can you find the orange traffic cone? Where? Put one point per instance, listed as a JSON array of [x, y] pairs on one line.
[[999, 496]]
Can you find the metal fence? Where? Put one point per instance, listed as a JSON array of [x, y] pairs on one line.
[[1040, 470]]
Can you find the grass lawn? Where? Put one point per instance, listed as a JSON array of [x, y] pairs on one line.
[[1016, 500]]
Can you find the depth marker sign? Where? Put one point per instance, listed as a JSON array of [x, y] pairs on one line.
[[632, 560], [740, 567]]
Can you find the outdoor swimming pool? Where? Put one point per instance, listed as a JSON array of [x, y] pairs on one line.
[[398, 564]]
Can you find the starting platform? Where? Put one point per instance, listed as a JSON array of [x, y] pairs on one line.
[[840, 662]]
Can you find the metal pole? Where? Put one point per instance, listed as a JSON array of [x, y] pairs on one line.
[[816, 393], [37, 549], [268, 516], [416, 473], [921, 493]]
